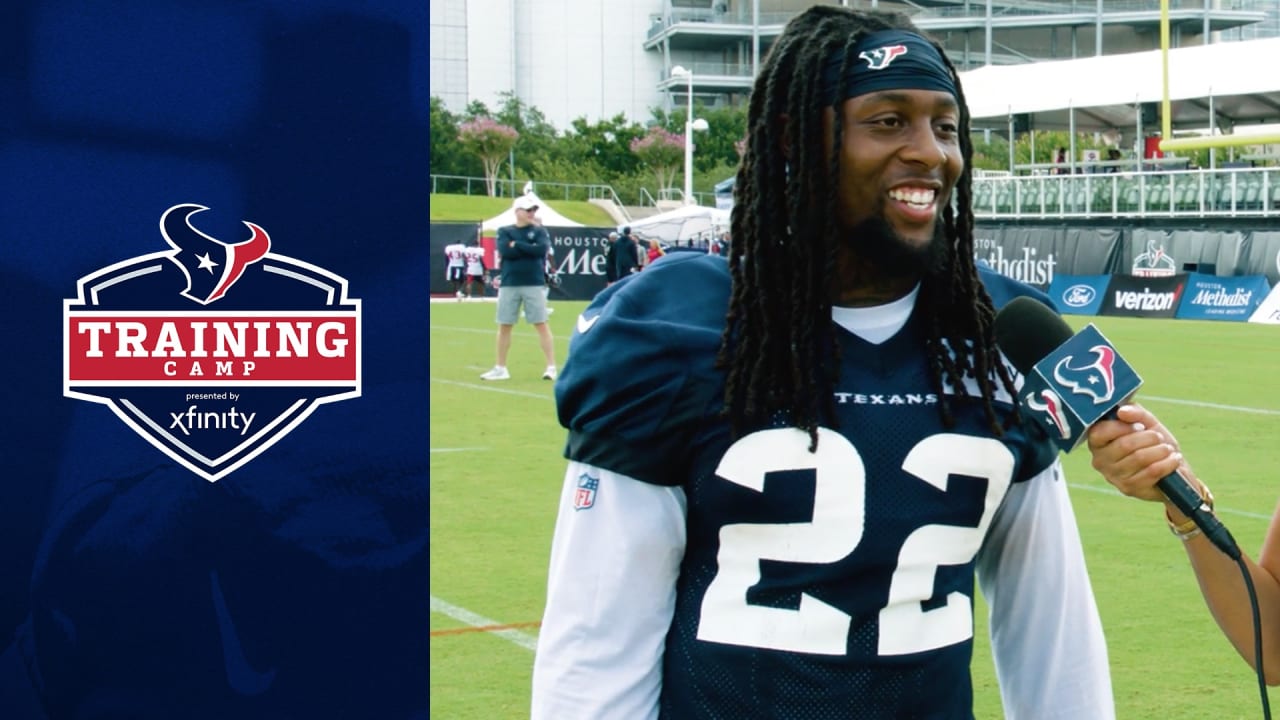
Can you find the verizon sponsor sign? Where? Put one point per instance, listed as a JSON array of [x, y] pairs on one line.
[[1143, 296]]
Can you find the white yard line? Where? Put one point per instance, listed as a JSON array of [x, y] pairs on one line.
[[1215, 406], [1108, 490], [489, 331], [492, 387], [1156, 398], [465, 616]]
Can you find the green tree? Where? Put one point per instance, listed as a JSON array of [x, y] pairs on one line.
[[715, 148], [606, 144], [538, 138], [491, 142], [447, 157], [662, 152]]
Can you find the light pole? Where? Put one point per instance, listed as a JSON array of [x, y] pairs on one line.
[[689, 126]]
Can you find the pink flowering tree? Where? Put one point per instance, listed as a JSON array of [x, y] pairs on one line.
[[662, 151], [492, 141]]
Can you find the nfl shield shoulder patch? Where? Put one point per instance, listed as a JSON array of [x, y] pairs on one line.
[[585, 496]]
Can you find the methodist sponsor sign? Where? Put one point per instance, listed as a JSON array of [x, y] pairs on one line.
[[1209, 297], [1143, 296], [580, 260]]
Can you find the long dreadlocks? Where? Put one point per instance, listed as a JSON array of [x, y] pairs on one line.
[[777, 342]]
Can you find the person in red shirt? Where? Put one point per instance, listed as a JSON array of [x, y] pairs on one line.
[[655, 250]]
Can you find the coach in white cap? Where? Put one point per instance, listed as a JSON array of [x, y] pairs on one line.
[[523, 249]]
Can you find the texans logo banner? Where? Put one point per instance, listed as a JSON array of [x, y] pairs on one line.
[[211, 351]]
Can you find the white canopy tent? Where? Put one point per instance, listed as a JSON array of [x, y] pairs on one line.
[[1225, 84], [546, 215], [684, 223]]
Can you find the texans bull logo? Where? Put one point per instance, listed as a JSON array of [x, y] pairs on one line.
[[210, 266], [1095, 380], [1050, 406], [880, 58]]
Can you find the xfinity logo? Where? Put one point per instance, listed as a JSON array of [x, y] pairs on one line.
[[1078, 296]]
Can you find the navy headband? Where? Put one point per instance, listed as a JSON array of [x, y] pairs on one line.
[[887, 60]]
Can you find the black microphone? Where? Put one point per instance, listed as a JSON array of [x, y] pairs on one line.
[[1072, 380]]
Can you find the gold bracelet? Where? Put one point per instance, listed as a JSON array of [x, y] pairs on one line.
[[1187, 530]]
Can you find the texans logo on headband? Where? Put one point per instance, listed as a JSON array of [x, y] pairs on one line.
[[880, 58]]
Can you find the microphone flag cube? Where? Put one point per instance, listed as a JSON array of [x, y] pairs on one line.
[[1077, 384]]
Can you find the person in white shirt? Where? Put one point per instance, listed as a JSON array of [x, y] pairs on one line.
[[454, 271], [474, 286]]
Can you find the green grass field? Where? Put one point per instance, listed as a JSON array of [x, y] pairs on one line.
[[496, 471]]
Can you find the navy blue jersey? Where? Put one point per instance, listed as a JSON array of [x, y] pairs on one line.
[[831, 584], [524, 254]]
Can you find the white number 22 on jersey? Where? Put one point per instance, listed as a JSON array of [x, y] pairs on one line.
[[839, 506]]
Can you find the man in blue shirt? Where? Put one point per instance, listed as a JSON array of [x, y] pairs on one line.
[[523, 249], [779, 510]]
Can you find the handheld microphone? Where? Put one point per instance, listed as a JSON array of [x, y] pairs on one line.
[[1071, 381]]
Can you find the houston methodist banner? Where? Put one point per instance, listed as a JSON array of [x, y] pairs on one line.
[[1036, 255], [579, 258], [216, 319], [1209, 297]]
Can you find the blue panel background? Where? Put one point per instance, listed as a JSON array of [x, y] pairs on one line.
[[295, 587], [1252, 289], [1078, 294]]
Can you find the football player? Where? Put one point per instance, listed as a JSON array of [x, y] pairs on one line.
[[456, 254], [779, 509], [475, 271]]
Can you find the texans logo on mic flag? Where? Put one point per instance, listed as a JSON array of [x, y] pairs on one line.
[[211, 351], [1076, 385]]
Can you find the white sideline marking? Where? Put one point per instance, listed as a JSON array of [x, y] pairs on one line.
[[1157, 398], [523, 329], [490, 331], [1215, 406], [463, 615], [492, 388], [1108, 490]]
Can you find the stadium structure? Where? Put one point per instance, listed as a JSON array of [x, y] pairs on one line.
[[1083, 66], [572, 59]]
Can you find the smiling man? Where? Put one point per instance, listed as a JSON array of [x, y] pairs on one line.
[[779, 509]]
